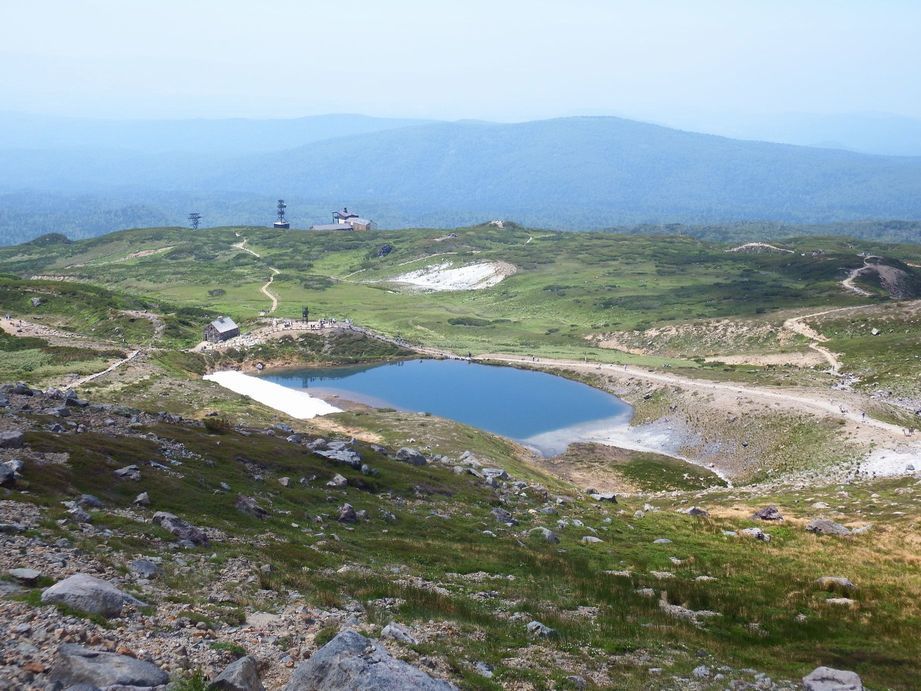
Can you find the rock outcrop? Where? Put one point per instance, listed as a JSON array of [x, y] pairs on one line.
[[87, 594], [75, 665], [351, 661]]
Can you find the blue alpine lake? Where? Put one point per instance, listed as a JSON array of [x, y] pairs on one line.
[[541, 410]]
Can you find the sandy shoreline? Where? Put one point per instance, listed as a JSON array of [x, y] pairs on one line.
[[297, 404]]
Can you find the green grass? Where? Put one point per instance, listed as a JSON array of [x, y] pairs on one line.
[[759, 583], [569, 285]]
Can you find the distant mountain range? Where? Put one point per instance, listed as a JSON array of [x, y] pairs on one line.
[[571, 173]]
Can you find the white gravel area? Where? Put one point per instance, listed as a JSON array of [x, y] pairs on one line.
[[445, 276], [889, 463]]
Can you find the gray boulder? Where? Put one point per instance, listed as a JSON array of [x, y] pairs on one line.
[[7, 476], [411, 456], [346, 456], [76, 665], [250, 506], [547, 534], [503, 516], [755, 533], [180, 529], [535, 628], [240, 675], [11, 439], [604, 496], [398, 632], [768, 513], [25, 576], [338, 482], [836, 584], [129, 472], [351, 661], [347, 514], [823, 526], [144, 568], [88, 501], [828, 679], [143, 499], [87, 594]]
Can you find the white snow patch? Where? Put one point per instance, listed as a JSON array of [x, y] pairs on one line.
[[297, 404], [445, 276], [889, 463]]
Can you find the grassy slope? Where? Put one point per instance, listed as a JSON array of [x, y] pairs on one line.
[[568, 285], [760, 587]]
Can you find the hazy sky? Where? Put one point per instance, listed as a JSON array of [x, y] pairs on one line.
[[490, 59]]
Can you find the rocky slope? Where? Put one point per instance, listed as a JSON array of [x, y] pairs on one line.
[[141, 549]]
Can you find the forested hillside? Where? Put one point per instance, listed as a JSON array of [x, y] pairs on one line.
[[573, 173]]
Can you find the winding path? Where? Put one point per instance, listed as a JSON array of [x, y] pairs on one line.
[[848, 283], [110, 368], [264, 289], [799, 326]]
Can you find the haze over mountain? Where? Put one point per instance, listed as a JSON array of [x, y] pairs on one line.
[[570, 173], [870, 133]]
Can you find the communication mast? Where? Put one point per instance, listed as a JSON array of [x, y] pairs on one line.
[[194, 219], [281, 222]]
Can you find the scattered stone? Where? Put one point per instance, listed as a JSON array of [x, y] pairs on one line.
[[697, 511], [535, 628], [591, 540], [547, 534], [7, 476], [11, 439], [503, 516], [680, 612], [28, 577], [77, 515], [342, 455], [701, 672], [87, 594], [144, 568], [662, 541], [841, 602], [129, 472], [250, 506], [346, 514], [411, 456], [398, 632], [768, 513], [143, 499], [828, 679], [180, 529], [88, 501], [755, 533], [823, 526], [284, 481], [240, 675], [836, 583], [76, 665], [604, 496], [351, 661], [338, 482]]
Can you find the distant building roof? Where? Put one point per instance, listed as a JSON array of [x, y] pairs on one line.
[[345, 213], [360, 221], [332, 226], [224, 324]]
